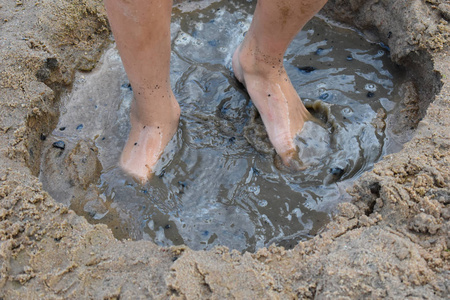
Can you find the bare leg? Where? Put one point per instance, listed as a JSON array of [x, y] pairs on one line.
[[258, 64], [142, 32]]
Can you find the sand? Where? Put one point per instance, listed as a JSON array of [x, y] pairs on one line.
[[390, 241]]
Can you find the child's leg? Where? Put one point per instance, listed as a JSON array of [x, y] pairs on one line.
[[142, 32], [258, 63]]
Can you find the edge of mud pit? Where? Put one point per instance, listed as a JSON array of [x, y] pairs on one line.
[[391, 241]]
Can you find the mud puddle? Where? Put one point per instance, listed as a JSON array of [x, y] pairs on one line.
[[218, 182]]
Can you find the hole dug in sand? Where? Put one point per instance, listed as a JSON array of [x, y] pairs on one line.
[[218, 182]]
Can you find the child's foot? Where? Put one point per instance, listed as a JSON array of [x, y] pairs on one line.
[[279, 105], [152, 128]]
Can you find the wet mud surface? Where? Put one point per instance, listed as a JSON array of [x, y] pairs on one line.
[[218, 182], [390, 240]]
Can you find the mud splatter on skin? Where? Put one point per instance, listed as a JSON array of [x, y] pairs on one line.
[[285, 13]]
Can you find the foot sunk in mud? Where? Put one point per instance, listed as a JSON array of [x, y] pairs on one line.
[[278, 103], [147, 139]]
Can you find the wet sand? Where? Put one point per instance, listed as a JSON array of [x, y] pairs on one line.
[[391, 240]]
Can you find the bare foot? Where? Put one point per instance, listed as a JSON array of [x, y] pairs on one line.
[[152, 128], [279, 105]]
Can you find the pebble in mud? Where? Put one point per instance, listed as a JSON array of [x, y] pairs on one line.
[[59, 144], [319, 51], [307, 69], [370, 94], [337, 171], [324, 96], [334, 175], [127, 86]]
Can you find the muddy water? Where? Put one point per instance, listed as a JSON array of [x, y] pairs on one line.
[[218, 181]]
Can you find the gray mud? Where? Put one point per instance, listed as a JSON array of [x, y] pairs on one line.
[[218, 181]]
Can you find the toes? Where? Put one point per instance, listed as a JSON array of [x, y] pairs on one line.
[[289, 161], [139, 174]]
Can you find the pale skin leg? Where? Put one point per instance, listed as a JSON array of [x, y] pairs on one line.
[[142, 32], [258, 64]]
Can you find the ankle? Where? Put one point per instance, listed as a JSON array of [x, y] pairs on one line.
[[161, 110], [254, 60]]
